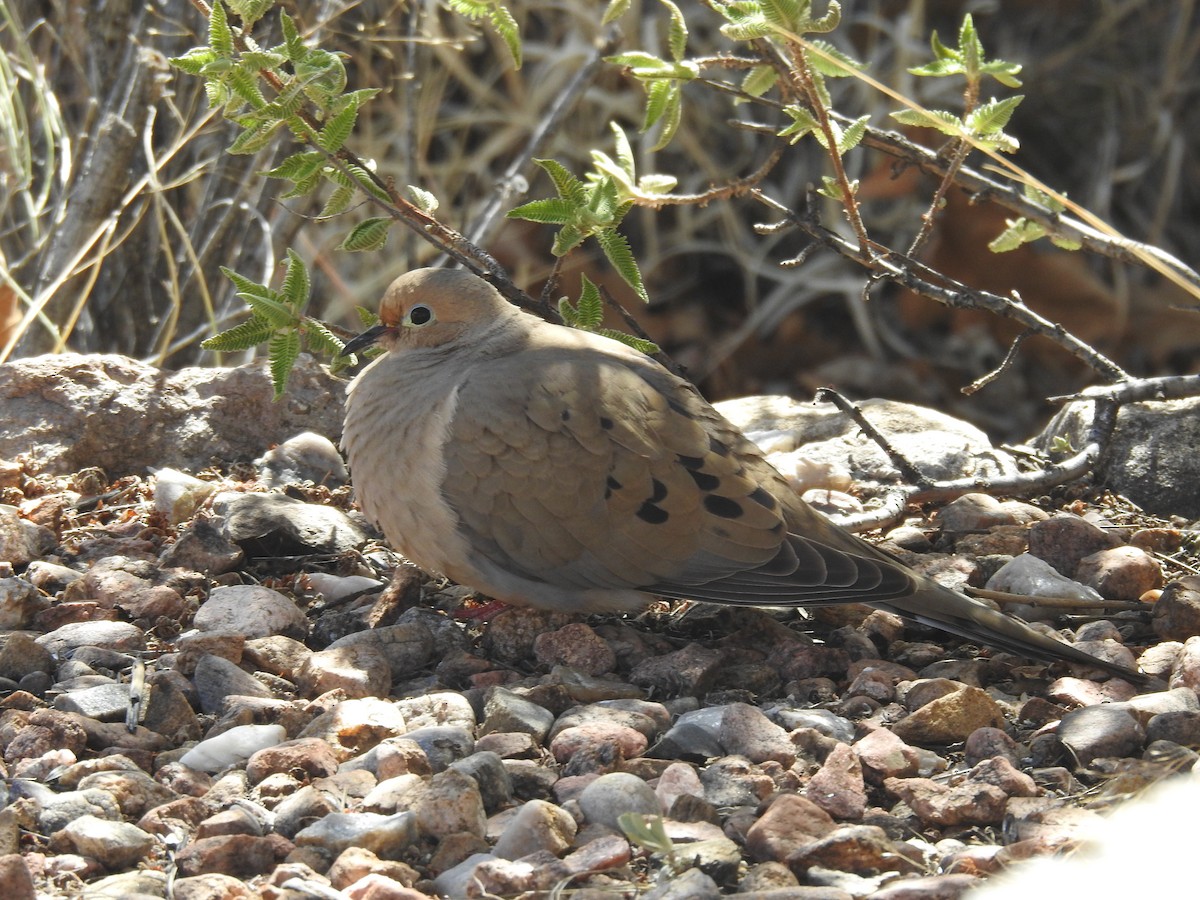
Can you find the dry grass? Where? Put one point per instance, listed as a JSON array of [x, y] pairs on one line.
[[119, 202]]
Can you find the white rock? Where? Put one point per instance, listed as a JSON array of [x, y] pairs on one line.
[[233, 746]]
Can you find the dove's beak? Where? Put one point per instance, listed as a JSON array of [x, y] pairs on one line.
[[365, 340]]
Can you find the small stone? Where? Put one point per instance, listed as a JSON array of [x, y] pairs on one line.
[[884, 755], [505, 711], [951, 718], [838, 787], [1063, 540], [115, 845], [1098, 731], [746, 731], [790, 823], [252, 611], [538, 825], [609, 796], [388, 837], [968, 803], [1177, 611], [359, 669], [1120, 573], [575, 645]]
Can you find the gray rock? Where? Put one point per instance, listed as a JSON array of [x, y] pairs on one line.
[[218, 678], [388, 837], [251, 610], [277, 525], [443, 744], [505, 711], [115, 845], [487, 770], [125, 417], [1150, 457], [609, 796], [305, 457], [21, 541], [939, 445], [120, 636], [20, 601]]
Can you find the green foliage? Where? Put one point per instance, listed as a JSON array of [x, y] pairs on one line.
[[984, 125], [496, 15], [663, 79], [595, 207], [1023, 231], [277, 318], [588, 314], [649, 833]]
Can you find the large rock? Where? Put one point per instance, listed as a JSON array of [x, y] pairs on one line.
[[1151, 458], [72, 411]]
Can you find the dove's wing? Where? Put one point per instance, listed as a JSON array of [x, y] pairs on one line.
[[587, 468]]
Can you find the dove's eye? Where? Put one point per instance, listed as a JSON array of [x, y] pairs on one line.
[[420, 315]]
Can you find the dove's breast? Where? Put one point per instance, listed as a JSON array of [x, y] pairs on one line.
[[397, 423]]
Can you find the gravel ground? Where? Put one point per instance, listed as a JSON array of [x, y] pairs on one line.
[[212, 689]]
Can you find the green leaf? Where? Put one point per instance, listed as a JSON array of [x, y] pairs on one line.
[[369, 234], [244, 82], [827, 22], [270, 309], [838, 65], [567, 239], [423, 199], [945, 122], [220, 35], [368, 317], [850, 138], [253, 140], [296, 284], [550, 211], [970, 49], [320, 339], [614, 11], [638, 59], [803, 123], [293, 46], [616, 248], [624, 150], [759, 80], [670, 119], [337, 203], [659, 97], [639, 344], [336, 130], [565, 184], [646, 831], [250, 11], [1019, 231], [590, 312], [1003, 72], [248, 334], [282, 349], [506, 26], [244, 285], [657, 184], [194, 60], [992, 117], [298, 166], [677, 32]]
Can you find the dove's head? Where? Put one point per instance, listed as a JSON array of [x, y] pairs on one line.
[[431, 307]]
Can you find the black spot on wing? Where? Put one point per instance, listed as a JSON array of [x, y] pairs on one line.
[[723, 506], [704, 481], [654, 515], [763, 497]]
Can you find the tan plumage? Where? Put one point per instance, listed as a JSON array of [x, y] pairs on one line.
[[550, 467]]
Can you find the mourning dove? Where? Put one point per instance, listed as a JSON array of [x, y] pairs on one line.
[[551, 467]]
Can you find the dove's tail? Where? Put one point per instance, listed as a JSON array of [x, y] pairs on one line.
[[940, 607]]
